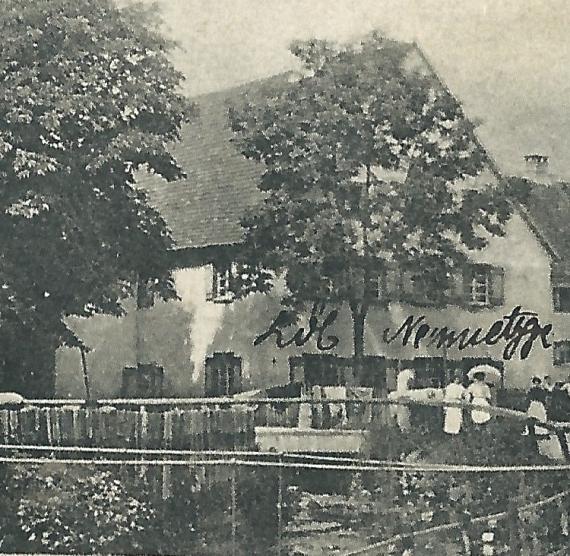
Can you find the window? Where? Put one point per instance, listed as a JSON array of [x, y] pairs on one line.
[[223, 374], [417, 289], [479, 286], [231, 280], [143, 381], [476, 285], [483, 285], [561, 299], [221, 283], [430, 372], [562, 352]]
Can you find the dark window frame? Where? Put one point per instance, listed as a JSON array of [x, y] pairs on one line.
[[556, 301], [221, 287], [561, 353], [491, 293]]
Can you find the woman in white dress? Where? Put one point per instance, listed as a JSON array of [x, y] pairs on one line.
[[454, 392], [480, 394]]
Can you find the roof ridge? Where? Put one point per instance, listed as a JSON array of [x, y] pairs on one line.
[[245, 85]]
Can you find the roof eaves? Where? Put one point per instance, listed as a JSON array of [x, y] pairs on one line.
[[493, 166]]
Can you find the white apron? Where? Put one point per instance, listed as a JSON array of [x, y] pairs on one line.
[[481, 395], [480, 417], [453, 415]]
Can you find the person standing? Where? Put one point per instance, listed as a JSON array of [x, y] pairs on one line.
[[547, 384], [536, 410], [480, 394], [559, 411], [454, 392]]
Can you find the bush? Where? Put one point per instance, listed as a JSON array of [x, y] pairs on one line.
[[71, 509], [426, 499], [54, 508]]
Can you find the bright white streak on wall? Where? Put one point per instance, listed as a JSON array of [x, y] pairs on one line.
[[192, 284]]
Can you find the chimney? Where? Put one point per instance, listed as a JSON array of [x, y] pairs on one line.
[[537, 164]]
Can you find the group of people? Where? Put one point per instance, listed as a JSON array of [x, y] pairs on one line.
[[545, 402], [548, 402], [477, 393]]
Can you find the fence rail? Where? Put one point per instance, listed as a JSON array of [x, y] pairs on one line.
[[166, 404], [201, 429]]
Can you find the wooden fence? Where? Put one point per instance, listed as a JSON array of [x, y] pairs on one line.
[[192, 429]]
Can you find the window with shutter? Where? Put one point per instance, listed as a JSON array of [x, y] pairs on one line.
[[479, 286], [561, 299], [417, 290], [561, 353], [497, 286], [221, 283], [483, 285]]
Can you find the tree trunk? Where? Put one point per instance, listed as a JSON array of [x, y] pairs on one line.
[[358, 324], [85, 376], [358, 321]]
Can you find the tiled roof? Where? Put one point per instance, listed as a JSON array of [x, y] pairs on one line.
[[549, 208], [206, 208]]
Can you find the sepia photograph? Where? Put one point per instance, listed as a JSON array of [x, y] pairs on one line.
[[285, 277]]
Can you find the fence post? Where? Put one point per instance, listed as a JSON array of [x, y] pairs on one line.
[[143, 435], [280, 505], [167, 442], [234, 505]]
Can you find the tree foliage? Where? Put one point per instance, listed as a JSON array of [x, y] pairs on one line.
[[366, 158], [87, 97]]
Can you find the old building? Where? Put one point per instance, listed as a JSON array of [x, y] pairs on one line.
[[203, 343]]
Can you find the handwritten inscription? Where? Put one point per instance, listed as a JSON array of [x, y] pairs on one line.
[[517, 329], [519, 325], [302, 335]]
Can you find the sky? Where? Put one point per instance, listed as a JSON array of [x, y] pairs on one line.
[[506, 60]]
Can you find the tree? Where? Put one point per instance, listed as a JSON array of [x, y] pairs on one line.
[[364, 164], [87, 98]]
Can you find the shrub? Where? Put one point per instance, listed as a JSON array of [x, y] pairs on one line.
[[72, 509]]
